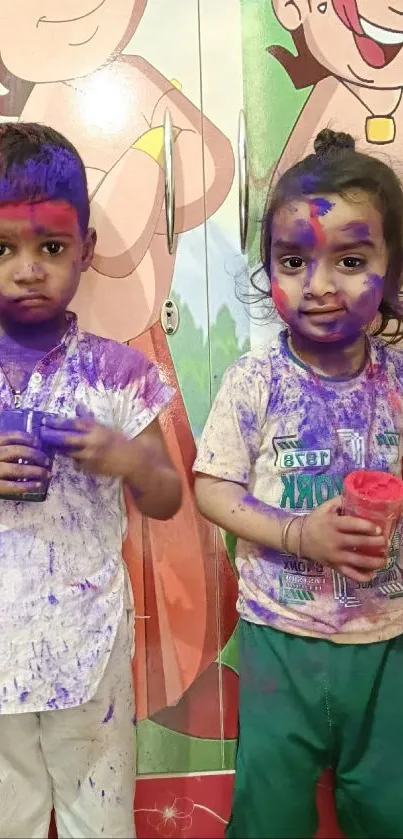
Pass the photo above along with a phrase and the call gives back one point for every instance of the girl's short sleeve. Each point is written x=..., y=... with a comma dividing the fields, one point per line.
x=232, y=437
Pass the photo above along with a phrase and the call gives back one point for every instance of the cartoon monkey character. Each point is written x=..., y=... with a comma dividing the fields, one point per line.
x=351, y=52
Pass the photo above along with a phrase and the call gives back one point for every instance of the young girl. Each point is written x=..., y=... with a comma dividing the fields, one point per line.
x=320, y=595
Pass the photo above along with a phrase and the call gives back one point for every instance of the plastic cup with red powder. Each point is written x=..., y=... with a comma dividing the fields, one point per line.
x=374, y=496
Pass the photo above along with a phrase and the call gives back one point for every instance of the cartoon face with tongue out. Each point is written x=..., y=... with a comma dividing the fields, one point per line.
x=377, y=45
x=351, y=51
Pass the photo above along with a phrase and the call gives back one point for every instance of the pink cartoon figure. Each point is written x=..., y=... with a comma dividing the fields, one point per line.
x=63, y=64
x=351, y=52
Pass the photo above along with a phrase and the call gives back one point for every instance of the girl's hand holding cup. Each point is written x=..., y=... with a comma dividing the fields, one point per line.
x=352, y=533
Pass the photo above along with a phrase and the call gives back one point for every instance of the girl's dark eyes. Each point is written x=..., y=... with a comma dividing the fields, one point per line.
x=350, y=263
x=3, y=249
x=293, y=262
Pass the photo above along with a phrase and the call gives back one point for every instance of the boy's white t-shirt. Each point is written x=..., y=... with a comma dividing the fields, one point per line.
x=290, y=436
x=62, y=578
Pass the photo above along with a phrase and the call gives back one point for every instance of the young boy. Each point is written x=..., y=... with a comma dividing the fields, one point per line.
x=67, y=735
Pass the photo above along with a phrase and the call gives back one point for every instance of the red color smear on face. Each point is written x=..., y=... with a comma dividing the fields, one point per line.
x=280, y=298
x=374, y=486
x=314, y=212
x=55, y=217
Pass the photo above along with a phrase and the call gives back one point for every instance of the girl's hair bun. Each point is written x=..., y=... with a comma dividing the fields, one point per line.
x=330, y=142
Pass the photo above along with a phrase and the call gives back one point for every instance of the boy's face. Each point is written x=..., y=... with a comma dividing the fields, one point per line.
x=328, y=265
x=42, y=256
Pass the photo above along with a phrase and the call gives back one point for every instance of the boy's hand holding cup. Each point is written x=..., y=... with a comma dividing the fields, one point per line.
x=25, y=461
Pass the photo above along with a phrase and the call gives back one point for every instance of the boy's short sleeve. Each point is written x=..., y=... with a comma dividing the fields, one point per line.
x=139, y=394
x=232, y=437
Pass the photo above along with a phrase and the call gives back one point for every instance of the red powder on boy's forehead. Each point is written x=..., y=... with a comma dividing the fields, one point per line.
x=43, y=216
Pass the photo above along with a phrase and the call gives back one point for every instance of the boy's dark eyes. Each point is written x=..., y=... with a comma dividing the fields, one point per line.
x=53, y=248
x=49, y=248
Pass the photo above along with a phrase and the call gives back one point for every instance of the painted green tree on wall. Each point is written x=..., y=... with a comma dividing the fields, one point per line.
x=191, y=355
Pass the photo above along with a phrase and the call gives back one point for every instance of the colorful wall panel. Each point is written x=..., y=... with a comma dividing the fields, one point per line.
x=106, y=74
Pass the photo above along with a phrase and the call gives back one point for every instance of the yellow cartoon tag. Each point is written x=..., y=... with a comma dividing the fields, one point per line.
x=380, y=130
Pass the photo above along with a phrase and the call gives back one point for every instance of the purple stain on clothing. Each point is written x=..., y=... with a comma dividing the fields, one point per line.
x=85, y=586
x=134, y=722
x=61, y=693
x=91, y=782
x=51, y=557
x=109, y=713
x=24, y=696
x=52, y=599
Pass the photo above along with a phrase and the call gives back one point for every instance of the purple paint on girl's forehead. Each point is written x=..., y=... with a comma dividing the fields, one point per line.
x=54, y=174
x=304, y=233
x=357, y=229
x=321, y=205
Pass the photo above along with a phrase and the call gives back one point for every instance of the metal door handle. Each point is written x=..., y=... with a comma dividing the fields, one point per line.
x=243, y=169
x=169, y=179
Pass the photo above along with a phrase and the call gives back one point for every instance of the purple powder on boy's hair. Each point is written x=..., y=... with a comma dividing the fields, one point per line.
x=39, y=164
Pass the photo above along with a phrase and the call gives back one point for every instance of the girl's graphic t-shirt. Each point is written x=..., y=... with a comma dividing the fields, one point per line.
x=291, y=436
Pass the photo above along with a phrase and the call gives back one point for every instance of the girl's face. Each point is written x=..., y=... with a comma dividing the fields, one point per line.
x=328, y=265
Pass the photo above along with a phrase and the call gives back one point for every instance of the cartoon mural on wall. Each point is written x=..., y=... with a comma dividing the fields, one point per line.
x=66, y=67
x=350, y=51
